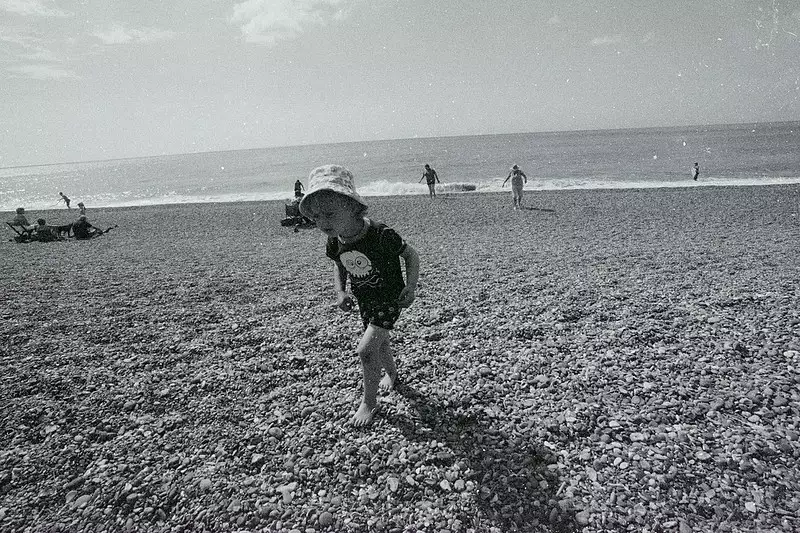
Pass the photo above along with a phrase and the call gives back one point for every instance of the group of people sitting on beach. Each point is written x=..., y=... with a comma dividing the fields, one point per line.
x=80, y=229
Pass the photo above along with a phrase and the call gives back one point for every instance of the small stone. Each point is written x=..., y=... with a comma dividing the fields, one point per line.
x=205, y=484
x=582, y=518
x=325, y=519
x=235, y=505
x=75, y=483
x=702, y=456
x=83, y=500
x=750, y=506
x=393, y=483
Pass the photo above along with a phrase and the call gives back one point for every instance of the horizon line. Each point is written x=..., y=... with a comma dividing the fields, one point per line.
x=390, y=139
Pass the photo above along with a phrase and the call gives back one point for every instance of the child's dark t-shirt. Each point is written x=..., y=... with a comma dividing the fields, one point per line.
x=372, y=263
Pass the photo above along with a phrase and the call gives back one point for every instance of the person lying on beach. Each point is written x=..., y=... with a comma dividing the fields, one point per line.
x=368, y=253
x=516, y=175
x=45, y=233
x=431, y=178
x=83, y=229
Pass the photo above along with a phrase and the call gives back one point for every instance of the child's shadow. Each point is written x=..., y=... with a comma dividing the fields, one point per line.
x=511, y=471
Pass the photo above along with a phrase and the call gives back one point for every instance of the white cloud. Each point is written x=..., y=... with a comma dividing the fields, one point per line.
x=606, y=40
x=117, y=34
x=555, y=20
x=270, y=21
x=42, y=72
x=32, y=8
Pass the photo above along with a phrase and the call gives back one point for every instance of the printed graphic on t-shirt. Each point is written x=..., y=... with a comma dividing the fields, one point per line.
x=360, y=269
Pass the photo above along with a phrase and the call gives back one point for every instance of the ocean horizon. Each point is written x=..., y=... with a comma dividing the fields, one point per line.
x=728, y=154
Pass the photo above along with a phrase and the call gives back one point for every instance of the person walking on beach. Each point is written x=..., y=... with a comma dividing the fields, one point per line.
x=298, y=189
x=516, y=176
x=367, y=253
x=695, y=171
x=65, y=199
x=431, y=178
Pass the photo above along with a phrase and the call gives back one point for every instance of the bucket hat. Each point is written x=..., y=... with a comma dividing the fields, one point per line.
x=333, y=178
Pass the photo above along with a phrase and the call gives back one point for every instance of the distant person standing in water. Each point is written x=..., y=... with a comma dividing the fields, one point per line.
x=431, y=178
x=516, y=176
x=298, y=189
x=695, y=171
x=65, y=199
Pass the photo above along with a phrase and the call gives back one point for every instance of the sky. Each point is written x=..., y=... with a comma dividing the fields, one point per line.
x=102, y=79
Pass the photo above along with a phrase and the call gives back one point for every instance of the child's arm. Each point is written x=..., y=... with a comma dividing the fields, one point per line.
x=343, y=300
x=505, y=180
x=411, y=259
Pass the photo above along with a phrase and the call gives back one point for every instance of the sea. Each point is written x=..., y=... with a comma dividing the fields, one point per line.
x=732, y=154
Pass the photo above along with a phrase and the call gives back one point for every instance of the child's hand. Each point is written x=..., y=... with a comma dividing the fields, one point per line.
x=344, y=301
x=406, y=297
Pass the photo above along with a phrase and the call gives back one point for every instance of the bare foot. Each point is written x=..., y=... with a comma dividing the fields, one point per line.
x=387, y=382
x=364, y=415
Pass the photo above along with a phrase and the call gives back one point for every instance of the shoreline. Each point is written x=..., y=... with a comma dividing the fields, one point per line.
x=528, y=191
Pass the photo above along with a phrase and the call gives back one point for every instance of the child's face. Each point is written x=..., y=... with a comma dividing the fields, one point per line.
x=335, y=216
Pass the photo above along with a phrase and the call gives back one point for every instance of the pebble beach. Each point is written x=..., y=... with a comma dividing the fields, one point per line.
x=602, y=360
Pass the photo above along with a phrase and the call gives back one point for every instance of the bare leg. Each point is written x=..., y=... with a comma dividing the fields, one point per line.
x=388, y=364
x=369, y=351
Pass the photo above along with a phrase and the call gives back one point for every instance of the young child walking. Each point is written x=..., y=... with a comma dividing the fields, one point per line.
x=367, y=253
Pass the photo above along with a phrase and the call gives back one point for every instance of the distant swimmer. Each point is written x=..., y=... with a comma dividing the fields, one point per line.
x=298, y=189
x=431, y=178
x=516, y=176
x=65, y=199
x=695, y=171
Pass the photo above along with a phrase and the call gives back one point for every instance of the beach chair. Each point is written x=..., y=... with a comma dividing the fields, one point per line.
x=24, y=233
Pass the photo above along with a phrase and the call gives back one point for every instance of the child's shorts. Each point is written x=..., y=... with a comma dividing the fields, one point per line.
x=381, y=314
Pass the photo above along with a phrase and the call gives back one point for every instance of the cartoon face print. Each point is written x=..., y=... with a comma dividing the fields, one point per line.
x=356, y=263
